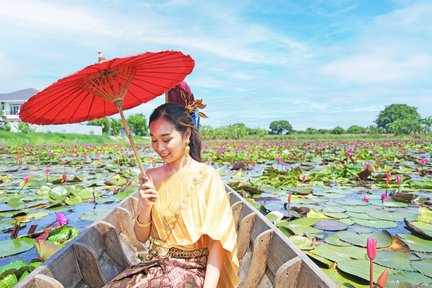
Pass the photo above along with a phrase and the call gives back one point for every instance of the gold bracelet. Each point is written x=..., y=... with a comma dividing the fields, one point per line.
x=141, y=224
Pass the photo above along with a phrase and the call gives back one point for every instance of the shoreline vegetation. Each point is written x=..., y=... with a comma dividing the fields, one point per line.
x=32, y=138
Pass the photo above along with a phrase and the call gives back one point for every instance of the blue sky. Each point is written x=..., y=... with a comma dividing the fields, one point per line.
x=317, y=63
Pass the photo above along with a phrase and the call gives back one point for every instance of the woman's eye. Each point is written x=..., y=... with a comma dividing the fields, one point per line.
x=166, y=141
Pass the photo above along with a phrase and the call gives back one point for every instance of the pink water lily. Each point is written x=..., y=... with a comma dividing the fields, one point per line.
x=303, y=178
x=423, y=161
x=371, y=253
x=349, y=154
x=26, y=179
x=382, y=279
x=398, y=179
x=289, y=200
x=64, y=177
x=368, y=164
x=384, y=197
x=61, y=219
x=365, y=199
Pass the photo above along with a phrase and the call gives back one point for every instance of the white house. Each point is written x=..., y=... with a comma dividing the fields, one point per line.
x=10, y=104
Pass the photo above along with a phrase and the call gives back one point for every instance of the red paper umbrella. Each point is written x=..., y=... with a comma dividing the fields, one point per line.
x=108, y=87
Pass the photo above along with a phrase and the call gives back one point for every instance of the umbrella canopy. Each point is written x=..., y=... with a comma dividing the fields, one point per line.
x=108, y=87
x=90, y=93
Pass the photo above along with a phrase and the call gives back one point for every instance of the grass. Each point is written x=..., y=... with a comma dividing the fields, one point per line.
x=23, y=139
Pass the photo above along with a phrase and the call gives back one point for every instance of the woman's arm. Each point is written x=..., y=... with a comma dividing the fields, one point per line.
x=214, y=263
x=147, y=196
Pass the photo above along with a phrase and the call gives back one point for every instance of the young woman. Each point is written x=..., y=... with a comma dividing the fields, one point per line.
x=183, y=207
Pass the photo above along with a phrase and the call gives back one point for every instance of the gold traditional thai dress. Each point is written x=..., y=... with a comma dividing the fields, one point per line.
x=192, y=207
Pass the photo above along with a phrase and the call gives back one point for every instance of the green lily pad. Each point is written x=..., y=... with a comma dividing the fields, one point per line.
x=334, y=209
x=411, y=278
x=302, y=242
x=330, y=225
x=94, y=215
x=383, y=238
x=327, y=263
x=357, y=215
x=424, y=266
x=359, y=268
x=15, y=246
x=394, y=260
x=336, y=215
x=384, y=215
x=415, y=243
x=339, y=253
x=425, y=215
x=13, y=265
x=8, y=281
x=347, y=221
x=334, y=240
x=361, y=229
x=382, y=224
x=343, y=281
x=274, y=216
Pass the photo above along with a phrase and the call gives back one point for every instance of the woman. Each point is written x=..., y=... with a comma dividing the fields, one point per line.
x=184, y=208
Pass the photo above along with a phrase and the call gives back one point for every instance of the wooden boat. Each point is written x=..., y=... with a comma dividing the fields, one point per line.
x=267, y=257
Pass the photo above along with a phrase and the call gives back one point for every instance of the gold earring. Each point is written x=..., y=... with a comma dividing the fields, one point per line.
x=187, y=148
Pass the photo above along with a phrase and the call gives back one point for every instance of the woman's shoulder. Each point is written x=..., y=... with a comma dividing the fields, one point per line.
x=205, y=171
x=157, y=174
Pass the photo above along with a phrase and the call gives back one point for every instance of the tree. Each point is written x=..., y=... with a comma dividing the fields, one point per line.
x=116, y=126
x=337, y=130
x=426, y=124
x=137, y=124
x=311, y=131
x=25, y=127
x=355, y=129
x=404, y=126
x=278, y=127
x=103, y=122
x=394, y=112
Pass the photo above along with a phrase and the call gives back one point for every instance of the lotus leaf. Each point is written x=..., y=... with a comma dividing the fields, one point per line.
x=334, y=209
x=424, y=266
x=384, y=215
x=330, y=225
x=302, y=191
x=13, y=265
x=302, y=222
x=395, y=260
x=423, y=225
x=29, y=217
x=352, y=203
x=334, y=240
x=425, y=215
x=58, y=193
x=412, y=278
x=8, y=281
x=341, y=280
x=383, y=238
x=15, y=246
x=357, y=215
x=376, y=223
x=302, y=242
x=415, y=243
x=339, y=253
x=313, y=214
x=62, y=234
x=86, y=193
x=336, y=215
x=46, y=249
x=95, y=214
x=274, y=216
x=359, y=268
x=285, y=231
x=347, y=221
x=15, y=202
x=360, y=229
x=357, y=209
x=73, y=200
x=327, y=263
x=44, y=190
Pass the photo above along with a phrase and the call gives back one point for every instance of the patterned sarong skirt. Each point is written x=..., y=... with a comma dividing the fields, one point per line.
x=177, y=268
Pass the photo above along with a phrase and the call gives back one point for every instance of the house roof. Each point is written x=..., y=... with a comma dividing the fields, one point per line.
x=21, y=95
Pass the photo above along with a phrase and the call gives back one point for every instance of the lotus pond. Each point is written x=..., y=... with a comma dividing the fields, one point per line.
x=340, y=194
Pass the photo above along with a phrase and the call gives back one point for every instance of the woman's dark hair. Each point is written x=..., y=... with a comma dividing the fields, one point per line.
x=178, y=116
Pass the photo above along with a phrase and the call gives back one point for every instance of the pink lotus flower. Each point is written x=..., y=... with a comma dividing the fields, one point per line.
x=382, y=279
x=349, y=154
x=365, y=199
x=378, y=160
x=303, y=178
x=47, y=171
x=278, y=159
x=398, y=179
x=289, y=200
x=61, y=219
x=383, y=197
x=368, y=164
x=423, y=161
x=25, y=179
x=64, y=177
x=371, y=252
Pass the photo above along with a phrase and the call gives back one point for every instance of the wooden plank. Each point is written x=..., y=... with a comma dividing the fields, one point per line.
x=259, y=259
x=288, y=274
x=87, y=260
x=244, y=234
x=44, y=281
x=236, y=210
x=111, y=244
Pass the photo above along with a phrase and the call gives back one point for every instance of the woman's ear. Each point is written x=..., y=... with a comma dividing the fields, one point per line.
x=188, y=133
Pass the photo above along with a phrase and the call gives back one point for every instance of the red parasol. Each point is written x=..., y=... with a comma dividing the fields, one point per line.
x=108, y=87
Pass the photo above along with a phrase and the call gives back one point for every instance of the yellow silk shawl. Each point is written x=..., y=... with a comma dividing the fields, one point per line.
x=205, y=213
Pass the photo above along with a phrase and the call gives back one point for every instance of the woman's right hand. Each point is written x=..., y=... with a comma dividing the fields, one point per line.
x=147, y=193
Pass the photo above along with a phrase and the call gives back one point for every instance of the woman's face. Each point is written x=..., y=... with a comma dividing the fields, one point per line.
x=167, y=142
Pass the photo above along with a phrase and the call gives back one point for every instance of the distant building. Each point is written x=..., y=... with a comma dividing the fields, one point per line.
x=10, y=104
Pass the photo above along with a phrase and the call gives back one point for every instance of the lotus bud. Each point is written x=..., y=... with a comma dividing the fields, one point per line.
x=382, y=279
